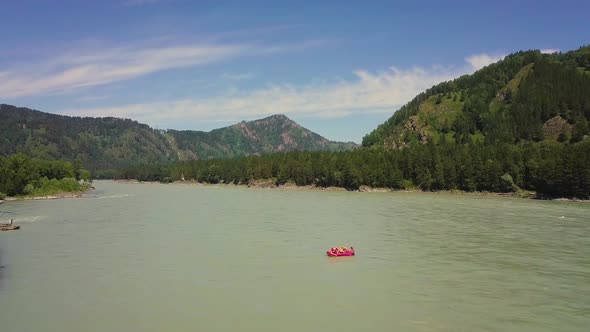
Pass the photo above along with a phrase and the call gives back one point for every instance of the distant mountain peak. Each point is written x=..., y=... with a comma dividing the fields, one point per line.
x=274, y=133
x=278, y=117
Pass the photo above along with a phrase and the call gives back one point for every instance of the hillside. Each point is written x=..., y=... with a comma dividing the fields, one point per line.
x=102, y=144
x=276, y=133
x=99, y=143
x=527, y=96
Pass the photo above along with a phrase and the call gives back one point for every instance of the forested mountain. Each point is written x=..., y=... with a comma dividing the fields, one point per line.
x=98, y=143
x=518, y=125
x=528, y=96
x=102, y=144
x=276, y=133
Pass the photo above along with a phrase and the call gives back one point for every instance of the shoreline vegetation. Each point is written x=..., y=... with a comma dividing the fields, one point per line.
x=271, y=184
x=548, y=170
x=24, y=178
x=58, y=195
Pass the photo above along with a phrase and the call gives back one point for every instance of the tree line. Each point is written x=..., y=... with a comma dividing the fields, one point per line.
x=21, y=175
x=550, y=169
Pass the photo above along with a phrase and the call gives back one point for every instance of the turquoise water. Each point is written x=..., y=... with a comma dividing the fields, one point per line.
x=149, y=257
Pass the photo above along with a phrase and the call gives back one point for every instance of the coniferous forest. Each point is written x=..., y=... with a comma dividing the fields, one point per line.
x=550, y=169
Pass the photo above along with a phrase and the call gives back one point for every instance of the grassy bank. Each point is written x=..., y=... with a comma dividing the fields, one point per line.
x=48, y=189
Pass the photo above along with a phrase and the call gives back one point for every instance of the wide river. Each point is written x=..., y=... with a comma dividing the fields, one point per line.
x=150, y=257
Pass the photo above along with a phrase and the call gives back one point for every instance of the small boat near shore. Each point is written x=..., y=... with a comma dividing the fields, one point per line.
x=8, y=225
x=340, y=252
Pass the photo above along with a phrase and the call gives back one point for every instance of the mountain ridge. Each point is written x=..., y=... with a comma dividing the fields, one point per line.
x=527, y=96
x=275, y=133
x=108, y=142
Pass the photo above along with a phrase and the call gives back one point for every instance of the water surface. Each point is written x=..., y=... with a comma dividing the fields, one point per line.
x=149, y=257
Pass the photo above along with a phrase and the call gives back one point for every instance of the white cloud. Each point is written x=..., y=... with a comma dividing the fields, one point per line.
x=70, y=71
x=478, y=61
x=550, y=50
x=368, y=92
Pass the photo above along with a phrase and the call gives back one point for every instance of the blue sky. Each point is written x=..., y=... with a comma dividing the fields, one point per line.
x=339, y=68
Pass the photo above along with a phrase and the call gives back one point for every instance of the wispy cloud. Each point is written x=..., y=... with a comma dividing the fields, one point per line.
x=82, y=69
x=478, y=61
x=368, y=92
x=550, y=50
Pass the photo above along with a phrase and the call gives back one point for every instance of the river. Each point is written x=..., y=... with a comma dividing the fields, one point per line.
x=151, y=257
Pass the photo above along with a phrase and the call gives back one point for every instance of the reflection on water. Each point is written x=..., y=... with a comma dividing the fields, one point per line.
x=146, y=257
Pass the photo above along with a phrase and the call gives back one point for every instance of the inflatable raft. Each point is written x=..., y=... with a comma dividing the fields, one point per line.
x=339, y=252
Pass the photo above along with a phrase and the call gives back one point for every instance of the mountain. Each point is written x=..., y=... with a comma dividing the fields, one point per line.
x=527, y=96
x=108, y=143
x=276, y=133
x=99, y=143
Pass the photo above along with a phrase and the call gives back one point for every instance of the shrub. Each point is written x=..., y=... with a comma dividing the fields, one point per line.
x=407, y=184
x=29, y=189
x=54, y=186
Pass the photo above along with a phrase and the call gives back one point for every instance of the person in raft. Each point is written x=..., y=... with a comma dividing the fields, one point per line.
x=334, y=250
x=343, y=249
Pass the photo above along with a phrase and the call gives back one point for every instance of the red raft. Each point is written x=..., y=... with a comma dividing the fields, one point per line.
x=342, y=251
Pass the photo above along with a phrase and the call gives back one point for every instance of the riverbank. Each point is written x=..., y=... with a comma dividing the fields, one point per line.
x=254, y=184
x=59, y=195
x=270, y=184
